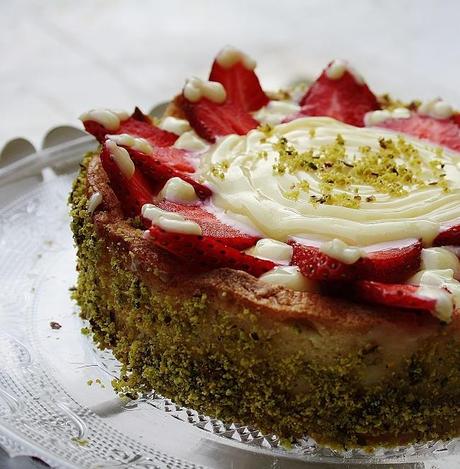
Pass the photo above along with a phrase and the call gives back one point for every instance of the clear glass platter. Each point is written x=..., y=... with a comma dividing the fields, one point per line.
x=56, y=399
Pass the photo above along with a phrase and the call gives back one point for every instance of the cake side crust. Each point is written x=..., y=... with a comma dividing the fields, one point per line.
x=276, y=359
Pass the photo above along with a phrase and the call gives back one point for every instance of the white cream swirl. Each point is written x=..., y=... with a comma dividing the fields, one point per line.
x=250, y=188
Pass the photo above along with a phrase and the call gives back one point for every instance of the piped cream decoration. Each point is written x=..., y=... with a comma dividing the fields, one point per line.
x=190, y=141
x=178, y=190
x=122, y=159
x=179, y=226
x=440, y=259
x=439, y=285
x=229, y=56
x=272, y=250
x=195, y=89
x=436, y=108
x=250, y=188
x=337, y=68
x=153, y=213
x=174, y=125
x=109, y=119
x=377, y=117
x=170, y=221
x=136, y=143
x=276, y=111
x=94, y=201
x=340, y=251
x=289, y=277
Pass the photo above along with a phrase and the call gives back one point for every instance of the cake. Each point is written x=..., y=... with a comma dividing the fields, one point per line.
x=283, y=259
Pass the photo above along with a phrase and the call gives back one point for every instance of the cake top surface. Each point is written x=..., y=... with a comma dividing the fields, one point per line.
x=320, y=185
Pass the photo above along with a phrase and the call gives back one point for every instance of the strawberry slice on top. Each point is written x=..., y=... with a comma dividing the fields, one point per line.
x=405, y=296
x=104, y=122
x=387, y=265
x=210, y=225
x=444, y=132
x=339, y=93
x=165, y=163
x=207, y=253
x=205, y=105
x=128, y=183
x=235, y=70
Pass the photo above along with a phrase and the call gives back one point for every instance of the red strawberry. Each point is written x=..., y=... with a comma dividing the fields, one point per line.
x=204, y=252
x=448, y=237
x=394, y=295
x=138, y=125
x=132, y=193
x=444, y=132
x=210, y=225
x=344, y=99
x=241, y=84
x=211, y=120
x=158, y=168
x=388, y=265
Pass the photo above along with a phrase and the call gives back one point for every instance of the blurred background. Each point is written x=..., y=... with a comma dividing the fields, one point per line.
x=62, y=57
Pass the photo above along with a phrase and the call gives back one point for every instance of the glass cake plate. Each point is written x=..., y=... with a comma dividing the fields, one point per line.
x=56, y=399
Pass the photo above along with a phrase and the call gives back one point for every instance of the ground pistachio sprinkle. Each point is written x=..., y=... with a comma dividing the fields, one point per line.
x=392, y=168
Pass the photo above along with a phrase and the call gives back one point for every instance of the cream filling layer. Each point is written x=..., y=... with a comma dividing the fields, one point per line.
x=249, y=187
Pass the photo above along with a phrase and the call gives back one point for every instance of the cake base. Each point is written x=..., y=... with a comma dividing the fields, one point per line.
x=238, y=350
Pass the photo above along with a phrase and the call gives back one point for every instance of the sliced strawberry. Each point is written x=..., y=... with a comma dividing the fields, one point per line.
x=448, y=237
x=211, y=120
x=318, y=266
x=444, y=132
x=204, y=252
x=241, y=84
x=388, y=265
x=394, y=295
x=210, y=225
x=132, y=193
x=138, y=125
x=344, y=99
x=158, y=168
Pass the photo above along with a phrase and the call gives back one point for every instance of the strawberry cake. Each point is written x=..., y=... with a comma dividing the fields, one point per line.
x=283, y=259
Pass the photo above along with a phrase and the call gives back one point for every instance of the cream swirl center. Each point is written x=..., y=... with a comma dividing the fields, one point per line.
x=244, y=174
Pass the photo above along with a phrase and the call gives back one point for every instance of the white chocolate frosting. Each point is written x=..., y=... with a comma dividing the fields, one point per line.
x=248, y=186
x=195, y=89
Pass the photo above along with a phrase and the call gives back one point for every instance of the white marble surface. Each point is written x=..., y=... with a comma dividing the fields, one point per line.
x=62, y=57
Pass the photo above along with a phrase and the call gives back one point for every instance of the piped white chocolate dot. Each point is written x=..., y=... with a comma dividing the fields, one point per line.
x=229, y=56
x=190, y=141
x=153, y=213
x=337, y=68
x=377, y=117
x=195, y=89
x=289, y=277
x=122, y=159
x=436, y=108
x=174, y=125
x=136, y=143
x=178, y=190
x=272, y=249
x=337, y=249
x=179, y=226
x=109, y=119
x=94, y=201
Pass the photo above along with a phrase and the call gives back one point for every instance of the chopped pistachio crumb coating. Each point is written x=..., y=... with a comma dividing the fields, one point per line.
x=391, y=169
x=229, y=361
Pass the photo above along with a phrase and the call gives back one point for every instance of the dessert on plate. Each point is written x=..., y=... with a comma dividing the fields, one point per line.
x=287, y=260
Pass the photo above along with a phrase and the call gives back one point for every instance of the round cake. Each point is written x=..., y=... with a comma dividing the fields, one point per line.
x=287, y=260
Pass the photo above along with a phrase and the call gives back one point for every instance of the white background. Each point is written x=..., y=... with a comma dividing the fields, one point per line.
x=62, y=57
